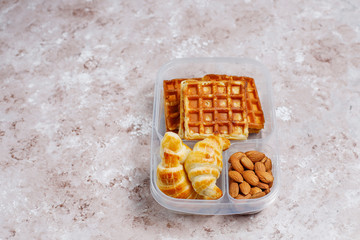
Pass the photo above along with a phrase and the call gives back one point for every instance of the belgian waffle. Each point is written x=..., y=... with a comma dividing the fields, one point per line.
x=172, y=99
x=213, y=107
x=255, y=117
x=172, y=103
x=255, y=114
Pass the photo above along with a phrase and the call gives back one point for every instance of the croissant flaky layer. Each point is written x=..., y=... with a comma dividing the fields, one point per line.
x=204, y=164
x=171, y=176
x=172, y=145
x=174, y=183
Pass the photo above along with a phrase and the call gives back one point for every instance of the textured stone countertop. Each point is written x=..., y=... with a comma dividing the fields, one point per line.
x=76, y=98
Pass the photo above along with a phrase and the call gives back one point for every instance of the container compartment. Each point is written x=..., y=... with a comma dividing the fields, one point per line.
x=253, y=205
x=221, y=181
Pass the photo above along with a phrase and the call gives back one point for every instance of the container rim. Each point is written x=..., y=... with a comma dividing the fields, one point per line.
x=224, y=205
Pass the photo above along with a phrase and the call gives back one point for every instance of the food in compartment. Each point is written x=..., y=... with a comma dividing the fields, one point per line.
x=256, y=177
x=190, y=174
x=245, y=188
x=213, y=107
x=172, y=103
x=255, y=114
x=255, y=156
x=248, y=108
x=204, y=165
x=171, y=176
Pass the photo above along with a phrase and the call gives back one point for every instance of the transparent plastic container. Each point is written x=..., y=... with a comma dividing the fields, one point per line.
x=198, y=67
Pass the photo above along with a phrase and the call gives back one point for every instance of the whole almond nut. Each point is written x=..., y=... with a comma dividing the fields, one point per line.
x=263, y=185
x=259, y=167
x=236, y=165
x=240, y=196
x=263, y=160
x=254, y=190
x=236, y=176
x=234, y=189
x=265, y=177
x=267, y=190
x=244, y=188
x=237, y=155
x=250, y=177
x=271, y=184
x=255, y=156
x=268, y=164
x=258, y=195
x=247, y=163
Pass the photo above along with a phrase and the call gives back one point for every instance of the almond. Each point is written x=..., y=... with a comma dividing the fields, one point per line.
x=250, y=177
x=267, y=190
x=262, y=185
x=236, y=176
x=235, y=163
x=268, y=164
x=237, y=155
x=234, y=189
x=263, y=160
x=255, y=156
x=240, y=196
x=260, y=167
x=244, y=188
x=258, y=195
x=265, y=177
x=254, y=190
x=247, y=163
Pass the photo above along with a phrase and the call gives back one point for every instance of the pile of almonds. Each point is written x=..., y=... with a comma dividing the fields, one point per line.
x=250, y=175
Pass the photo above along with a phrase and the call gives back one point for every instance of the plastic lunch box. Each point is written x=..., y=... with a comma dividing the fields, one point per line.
x=198, y=67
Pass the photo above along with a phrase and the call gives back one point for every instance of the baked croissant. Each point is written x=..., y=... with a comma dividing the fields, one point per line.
x=204, y=164
x=171, y=177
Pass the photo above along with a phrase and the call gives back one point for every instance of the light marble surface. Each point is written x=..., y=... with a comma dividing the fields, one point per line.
x=76, y=95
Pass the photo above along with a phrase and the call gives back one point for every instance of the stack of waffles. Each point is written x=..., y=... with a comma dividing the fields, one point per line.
x=228, y=106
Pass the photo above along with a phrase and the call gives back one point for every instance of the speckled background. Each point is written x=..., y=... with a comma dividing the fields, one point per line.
x=76, y=95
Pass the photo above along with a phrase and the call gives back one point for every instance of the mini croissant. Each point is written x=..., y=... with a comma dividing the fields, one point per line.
x=171, y=177
x=204, y=164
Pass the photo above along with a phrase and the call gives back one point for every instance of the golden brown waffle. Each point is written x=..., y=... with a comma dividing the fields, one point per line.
x=216, y=77
x=255, y=114
x=172, y=99
x=172, y=103
x=213, y=107
x=255, y=117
